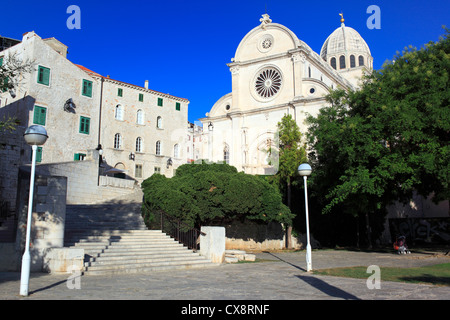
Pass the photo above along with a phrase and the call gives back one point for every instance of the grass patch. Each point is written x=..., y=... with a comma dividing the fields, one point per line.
x=438, y=274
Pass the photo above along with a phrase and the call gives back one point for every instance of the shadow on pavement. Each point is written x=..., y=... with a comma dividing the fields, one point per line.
x=326, y=288
x=289, y=263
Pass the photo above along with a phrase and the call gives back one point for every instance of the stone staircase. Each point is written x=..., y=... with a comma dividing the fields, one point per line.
x=116, y=240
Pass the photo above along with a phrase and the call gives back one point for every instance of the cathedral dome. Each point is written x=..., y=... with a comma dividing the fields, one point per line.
x=346, y=47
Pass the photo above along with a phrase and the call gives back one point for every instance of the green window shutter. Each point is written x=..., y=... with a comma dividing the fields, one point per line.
x=141, y=97
x=5, y=84
x=87, y=88
x=120, y=92
x=39, y=116
x=43, y=75
x=79, y=156
x=84, y=125
x=160, y=102
x=177, y=106
x=38, y=154
x=1, y=61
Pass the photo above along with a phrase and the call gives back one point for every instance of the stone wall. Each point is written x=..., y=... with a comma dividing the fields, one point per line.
x=48, y=217
x=12, y=145
x=83, y=184
x=252, y=236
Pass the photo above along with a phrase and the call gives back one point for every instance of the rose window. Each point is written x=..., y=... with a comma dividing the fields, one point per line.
x=268, y=83
x=266, y=44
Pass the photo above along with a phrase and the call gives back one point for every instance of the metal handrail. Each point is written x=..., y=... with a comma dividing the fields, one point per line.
x=174, y=228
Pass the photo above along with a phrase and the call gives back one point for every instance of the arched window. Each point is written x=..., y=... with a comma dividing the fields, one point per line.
x=158, y=148
x=138, y=144
x=226, y=155
x=159, y=123
x=361, y=60
x=333, y=63
x=140, y=117
x=352, y=61
x=342, y=62
x=176, y=151
x=118, y=141
x=309, y=72
x=119, y=112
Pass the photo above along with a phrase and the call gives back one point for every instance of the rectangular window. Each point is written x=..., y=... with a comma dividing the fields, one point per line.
x=120, y=92
x=87, y=88
x=84, y=125
x=141, y=97
x=158, y=170
x=178, y=106
x=40, y=113
x=138, y=171
x=160, y=102
x=79, y=156
x=43, y=75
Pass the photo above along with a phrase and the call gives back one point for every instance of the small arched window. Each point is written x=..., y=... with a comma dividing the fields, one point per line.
x=159, y=123
x=158, y=148
x=119, y=112
x=352, y=61
x=140, y=117
x=361, y=60
x=342, y=62
x=309, y=72
x=138, y=144
x=117, y=141
x=333, y=63
x=176, y=151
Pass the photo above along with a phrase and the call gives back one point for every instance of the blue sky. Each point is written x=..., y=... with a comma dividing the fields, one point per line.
x=182, y=47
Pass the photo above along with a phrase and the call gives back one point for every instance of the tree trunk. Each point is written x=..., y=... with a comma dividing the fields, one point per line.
x=289, y=228
x=369, y=232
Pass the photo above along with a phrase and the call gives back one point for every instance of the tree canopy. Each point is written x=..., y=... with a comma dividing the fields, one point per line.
x=388, y=139
x=211, y=193
x=12, y=70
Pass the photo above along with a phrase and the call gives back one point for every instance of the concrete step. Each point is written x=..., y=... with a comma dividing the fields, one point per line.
x=115, y=240
x=147, y=267
x=126, y=260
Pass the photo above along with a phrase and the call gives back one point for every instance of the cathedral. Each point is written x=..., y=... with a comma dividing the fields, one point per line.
x=273, y=74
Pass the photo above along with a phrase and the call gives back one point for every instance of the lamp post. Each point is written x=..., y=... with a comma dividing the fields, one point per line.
x=210, y=147
x=305, y=170
x=35, y=136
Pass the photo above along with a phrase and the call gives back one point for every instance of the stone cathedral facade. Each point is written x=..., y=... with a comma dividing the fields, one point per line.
x=274, y=73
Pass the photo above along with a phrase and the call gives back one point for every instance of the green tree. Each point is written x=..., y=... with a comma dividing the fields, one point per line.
x=387, y=140
x=213, y=194
x=12, y=71
x=291, y=154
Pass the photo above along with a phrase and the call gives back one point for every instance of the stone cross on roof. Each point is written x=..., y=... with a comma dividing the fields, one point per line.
x=265, y=20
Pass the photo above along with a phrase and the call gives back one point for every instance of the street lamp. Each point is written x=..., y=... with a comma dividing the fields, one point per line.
x=305, y=170
x=35, y=136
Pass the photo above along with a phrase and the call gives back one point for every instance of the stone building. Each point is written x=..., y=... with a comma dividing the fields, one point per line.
x=142, y=131
x=43, y=98
x=274, y=73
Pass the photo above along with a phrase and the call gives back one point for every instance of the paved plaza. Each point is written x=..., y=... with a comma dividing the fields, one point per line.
x=279, y=276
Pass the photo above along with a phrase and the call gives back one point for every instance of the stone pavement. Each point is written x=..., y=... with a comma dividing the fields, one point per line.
x=280, y=276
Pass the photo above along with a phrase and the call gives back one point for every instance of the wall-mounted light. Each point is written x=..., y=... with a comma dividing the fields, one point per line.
x=69, y=106
x=132, y=156
x=169, y=163
x=210, y=126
